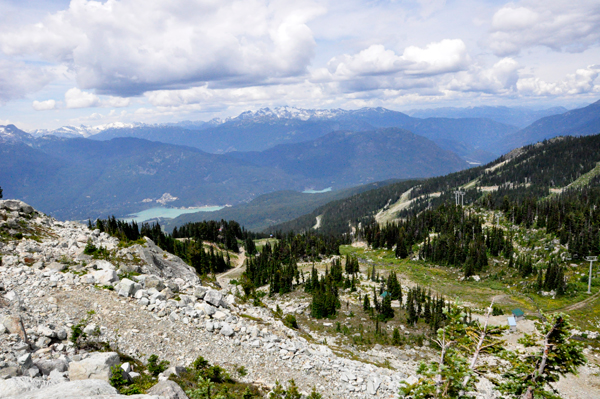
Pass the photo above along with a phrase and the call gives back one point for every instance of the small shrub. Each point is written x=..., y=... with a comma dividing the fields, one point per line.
x=116, y=377
x=242, y=371
x=155, y=367
x=314, y=394
x=290, y=321
x=200, y=363
x=216, y=374
x=497, y=311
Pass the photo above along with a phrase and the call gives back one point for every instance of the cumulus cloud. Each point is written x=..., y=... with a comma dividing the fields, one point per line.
x=571, y=26
x=501, y=78
x=44, y=105
x=76, y=98
x=436, y=58
x=127, y=47
x=582, y=81
x=18, y=79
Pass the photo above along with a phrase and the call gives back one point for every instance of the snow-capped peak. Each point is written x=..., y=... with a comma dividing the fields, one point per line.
x=284, y=112
x=81, y=130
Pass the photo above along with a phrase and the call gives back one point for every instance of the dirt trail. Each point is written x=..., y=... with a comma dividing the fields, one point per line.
x=238, y=265
x=578, y=305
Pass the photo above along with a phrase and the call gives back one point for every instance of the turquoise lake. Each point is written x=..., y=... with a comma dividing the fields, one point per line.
x=325, y=190
x=170, y=213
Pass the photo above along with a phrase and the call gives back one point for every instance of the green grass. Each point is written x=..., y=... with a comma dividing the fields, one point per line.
x=507, y=286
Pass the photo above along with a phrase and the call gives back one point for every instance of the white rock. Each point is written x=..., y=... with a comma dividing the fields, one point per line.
x=226, y=330
x=213, y=297
x=97, y=366
x=105, y=277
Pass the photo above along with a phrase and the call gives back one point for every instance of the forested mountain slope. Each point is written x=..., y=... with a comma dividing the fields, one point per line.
x=539, y=170
x=272, y=208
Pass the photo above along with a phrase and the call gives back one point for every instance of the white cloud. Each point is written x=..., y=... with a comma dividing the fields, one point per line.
x=116, y=102
x=18, y=79
x=501, y=78
x=44, y=105
x=571, y=26
x=448, y=55
x=582, y=81
x=508, y=18
x=442, y=57
x=128, y=47
x=76, y=98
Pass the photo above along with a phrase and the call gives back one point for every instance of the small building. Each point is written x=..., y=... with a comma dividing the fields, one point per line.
x=384, y=294
x=512, y=324
x=518, y=314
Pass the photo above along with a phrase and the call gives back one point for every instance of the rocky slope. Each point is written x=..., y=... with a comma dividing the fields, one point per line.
x=49, y=285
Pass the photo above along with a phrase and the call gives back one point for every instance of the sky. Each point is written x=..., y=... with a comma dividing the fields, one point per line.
x=152, y=61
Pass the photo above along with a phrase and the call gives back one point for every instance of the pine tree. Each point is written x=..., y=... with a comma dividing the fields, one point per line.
x=367, y=304
x=387, y=312
x=396, y=340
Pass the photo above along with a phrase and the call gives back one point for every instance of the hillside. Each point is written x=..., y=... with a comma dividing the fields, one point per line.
x=79, y=178
x=531, y=170
x=581, y=121
x=270, y=209
x=345, y=158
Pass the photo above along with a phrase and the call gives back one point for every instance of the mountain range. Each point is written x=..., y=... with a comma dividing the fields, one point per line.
x=81, y=178
x=284, y=149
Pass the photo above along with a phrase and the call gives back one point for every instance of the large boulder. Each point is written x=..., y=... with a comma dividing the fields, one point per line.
x=96, y=367
x=14, y=386
x=213, y=297
x=17, y=206
x=103, y=265
x=46, y=366
x=226, y=330
x=105, y=277
x=127, y=287
x=88, y=389
x=168, y=389
x=154, y=282
x=14, y=325
x=163, y=264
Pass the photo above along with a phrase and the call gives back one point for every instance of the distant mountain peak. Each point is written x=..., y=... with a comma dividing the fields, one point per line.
x=12, y=134
x=81, y=130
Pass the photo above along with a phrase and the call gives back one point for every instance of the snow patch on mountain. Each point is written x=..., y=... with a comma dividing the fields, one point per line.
x=82, y=130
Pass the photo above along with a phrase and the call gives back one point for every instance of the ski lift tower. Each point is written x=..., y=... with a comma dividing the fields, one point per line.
x=459, y=194
x=590, y=259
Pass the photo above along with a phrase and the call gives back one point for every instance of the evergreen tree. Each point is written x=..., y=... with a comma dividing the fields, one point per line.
x=387, y=312
x=366, y=303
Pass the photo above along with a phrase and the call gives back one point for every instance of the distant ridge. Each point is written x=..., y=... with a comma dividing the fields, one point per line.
x=577, y=122
x=517, y=116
